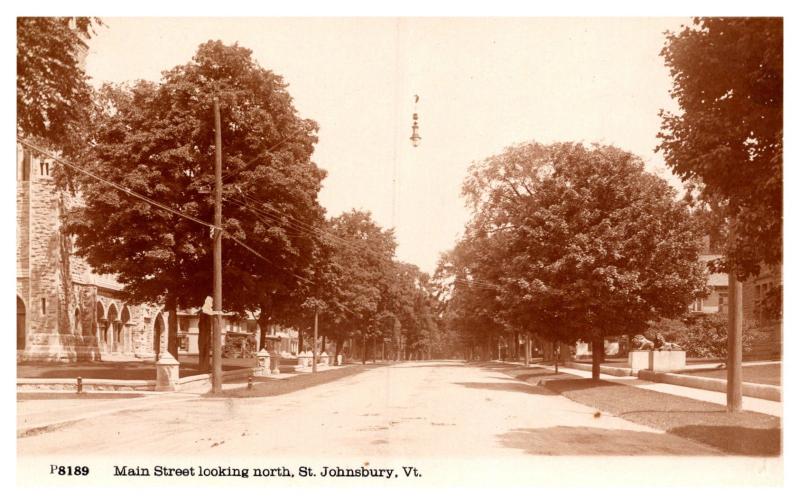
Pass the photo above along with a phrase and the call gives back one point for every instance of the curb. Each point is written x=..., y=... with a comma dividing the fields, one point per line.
x=133, y=404
x=604, y=369
x=753, y=390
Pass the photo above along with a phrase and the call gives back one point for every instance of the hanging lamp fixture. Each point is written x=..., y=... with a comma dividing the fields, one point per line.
x=415, y=137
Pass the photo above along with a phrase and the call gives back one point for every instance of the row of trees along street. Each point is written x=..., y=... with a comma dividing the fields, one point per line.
x=283, y=258
x=567, y=241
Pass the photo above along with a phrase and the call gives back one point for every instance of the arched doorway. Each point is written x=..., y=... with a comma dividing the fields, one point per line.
x=77, y=328
x=100, y=326
x=112, y=335
x=125, y=330
x=158, y=330
x=22, y=328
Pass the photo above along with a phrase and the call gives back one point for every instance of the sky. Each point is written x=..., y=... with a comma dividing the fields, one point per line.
x=484, y=84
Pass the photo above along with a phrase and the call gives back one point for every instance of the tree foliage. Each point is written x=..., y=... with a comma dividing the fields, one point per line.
x=727, y=140
x=157, y=139
x=368, y=296
x=361, y=259
x=53, y=96
x=575, y=242
x=703, y=336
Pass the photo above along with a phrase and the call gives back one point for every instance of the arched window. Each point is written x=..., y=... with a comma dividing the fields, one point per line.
x=158, y=331
x=113, y=328
x=77, y=327
x=22, y=328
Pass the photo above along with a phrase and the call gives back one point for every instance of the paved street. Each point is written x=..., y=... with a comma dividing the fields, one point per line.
x=413, y=409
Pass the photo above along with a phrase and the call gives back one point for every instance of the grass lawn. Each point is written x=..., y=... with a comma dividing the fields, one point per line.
x=264, y=386
x=623, y=362
x=744, y=433
x=760, y=374
x=134, y=370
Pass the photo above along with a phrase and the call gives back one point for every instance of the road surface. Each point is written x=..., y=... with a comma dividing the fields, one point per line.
x=407, y=410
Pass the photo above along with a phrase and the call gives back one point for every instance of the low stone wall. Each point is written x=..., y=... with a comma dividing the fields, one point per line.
x=199, y=380
x=61, y=384
x=604, y=369
x=763, y=391
x=69, y=384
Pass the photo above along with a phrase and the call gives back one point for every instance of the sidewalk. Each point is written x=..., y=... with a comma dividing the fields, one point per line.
x=38, y=415
x=41, y=415
x=752, y=404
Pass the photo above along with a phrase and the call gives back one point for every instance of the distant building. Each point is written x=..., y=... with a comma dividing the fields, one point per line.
x=65, y=311
x=716, y=301
x=244, y=331
x=754, y=292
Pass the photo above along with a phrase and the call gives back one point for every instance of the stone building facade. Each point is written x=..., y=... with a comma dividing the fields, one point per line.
x=64, y=310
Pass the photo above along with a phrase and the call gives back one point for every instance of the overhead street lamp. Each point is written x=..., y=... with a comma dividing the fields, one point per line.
x=415, y=137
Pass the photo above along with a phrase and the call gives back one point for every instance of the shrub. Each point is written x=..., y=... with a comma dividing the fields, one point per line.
x=702, y=336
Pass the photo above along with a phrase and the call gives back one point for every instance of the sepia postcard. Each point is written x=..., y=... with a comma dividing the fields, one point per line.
x=399, y=252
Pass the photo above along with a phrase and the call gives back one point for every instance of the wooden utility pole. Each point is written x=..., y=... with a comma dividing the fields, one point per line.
x=527, y=350
x=314, y=343
x=216, y=376
x=734, y=363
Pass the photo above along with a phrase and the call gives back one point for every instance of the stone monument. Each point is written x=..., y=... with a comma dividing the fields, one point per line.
x=167, y=372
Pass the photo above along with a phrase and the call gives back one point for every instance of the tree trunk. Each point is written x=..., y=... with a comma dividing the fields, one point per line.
x=548, y=350
x=555, y=355
x=324, y=344
x=204, y=342
x=527, y=350
x=299, y=341
x=364, y=359
x=597, y=353
x=339, y=343
x=564, y=353
x=171, y=307
x=734, y=344
x=263, y=325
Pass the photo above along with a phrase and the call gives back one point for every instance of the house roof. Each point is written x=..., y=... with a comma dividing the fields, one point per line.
x=717, y=279
x=714, y=278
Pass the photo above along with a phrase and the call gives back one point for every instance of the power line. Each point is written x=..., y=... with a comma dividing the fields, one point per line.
x=148, y=200
x=262, y=154
x=301, y=226
x=117, y=186
x=272, y=217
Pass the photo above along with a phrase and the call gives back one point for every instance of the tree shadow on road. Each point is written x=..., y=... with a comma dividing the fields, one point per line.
x=514, y=387
x=734, y=439
x=742, y=433
x=272, y=387
x=588, y=441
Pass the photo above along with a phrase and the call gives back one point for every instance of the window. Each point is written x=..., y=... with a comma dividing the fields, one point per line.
x=698, y=305
x=44, y=168
x=44, y=305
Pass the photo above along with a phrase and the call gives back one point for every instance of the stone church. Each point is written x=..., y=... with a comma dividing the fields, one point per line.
x=64, y=310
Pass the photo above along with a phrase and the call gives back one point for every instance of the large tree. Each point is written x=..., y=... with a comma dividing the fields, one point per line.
x=353, y=294
x=409, y=307
x=593, y=246
x=726, y=141
x=53, y=96
x=157, y=139
x=468, y=291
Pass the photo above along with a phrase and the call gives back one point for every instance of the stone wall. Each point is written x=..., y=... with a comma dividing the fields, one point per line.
x=60, y=291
